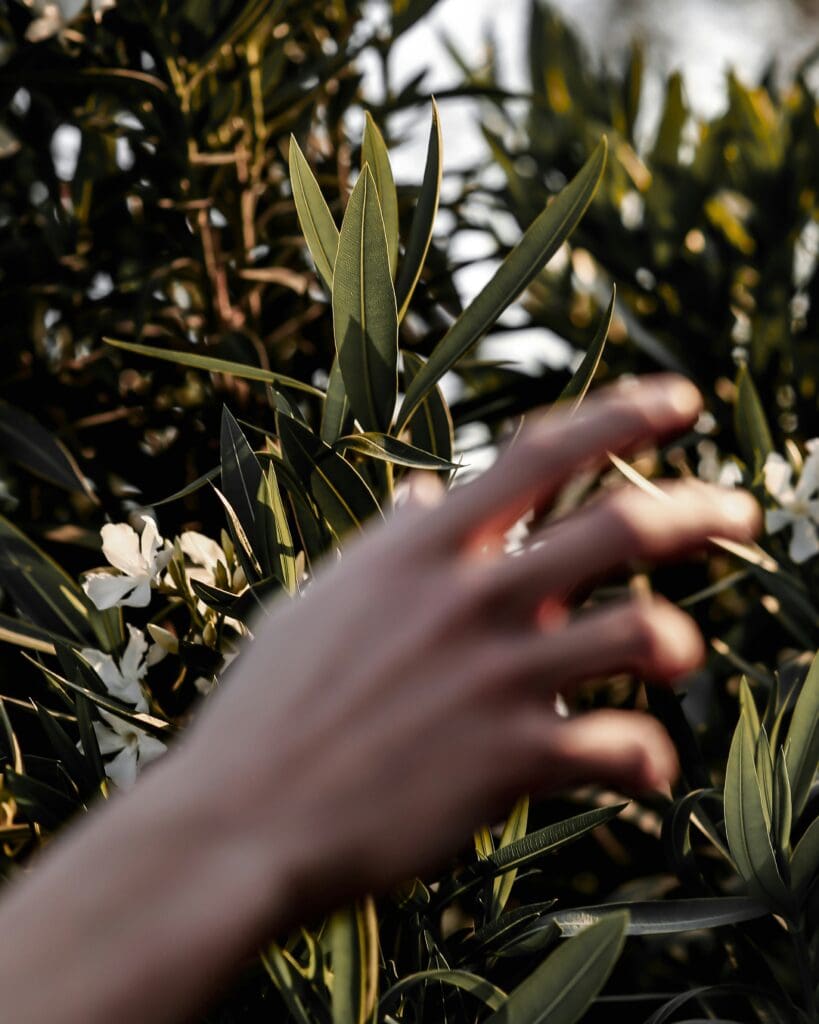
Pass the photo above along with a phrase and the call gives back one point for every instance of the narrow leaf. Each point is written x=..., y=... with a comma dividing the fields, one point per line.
x=390, y=449
x=423, y=219
x=582, y=377
x=213, y=365
x=365, y=320
x=317, y=224
x=336, y=409
x=750, y=422
x=374, y=154
x=540, y=242
x=566, y=983
x=802, y=745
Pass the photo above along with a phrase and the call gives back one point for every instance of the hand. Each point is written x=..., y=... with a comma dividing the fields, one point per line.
x=410, y=695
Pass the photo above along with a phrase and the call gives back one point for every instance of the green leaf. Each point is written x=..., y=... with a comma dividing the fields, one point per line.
x=273, y=533
x=88, y=738
x=513, y=831
x=431, y=424
x=490, y=995
x=390, y=449
x=138, y=719
x=317, y=224
x=805, y=860
x=41, y=803
x=664, y=917
x=374, y=154
x=291, y=986
x=534, y=846
x=566, y=983
x=241, y=472
x=342, y=496
x=540, y=242
x=353, y=937
x=750, y=422
x=802, y=744
x=42, y=592
x=782, y=807
x=582, y=377
x=423, y=219
x=26, y=442
x=365, y=320
x=336, y=409
x=745, y=824
x=213, y=365
x=75, y=764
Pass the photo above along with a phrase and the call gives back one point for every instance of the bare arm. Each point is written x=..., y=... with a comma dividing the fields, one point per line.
x=339, y=756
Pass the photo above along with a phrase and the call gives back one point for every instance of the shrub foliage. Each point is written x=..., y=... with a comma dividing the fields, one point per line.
x=225, y=317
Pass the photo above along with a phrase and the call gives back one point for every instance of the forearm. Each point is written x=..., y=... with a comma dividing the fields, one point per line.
x=142, y=911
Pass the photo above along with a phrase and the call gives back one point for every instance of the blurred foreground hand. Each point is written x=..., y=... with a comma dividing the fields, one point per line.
x=406, y=699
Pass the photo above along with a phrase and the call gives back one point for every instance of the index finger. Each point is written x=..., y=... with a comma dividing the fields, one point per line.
x=619, y=418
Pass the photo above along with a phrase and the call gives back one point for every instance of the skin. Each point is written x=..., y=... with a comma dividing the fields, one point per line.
x=406, y=699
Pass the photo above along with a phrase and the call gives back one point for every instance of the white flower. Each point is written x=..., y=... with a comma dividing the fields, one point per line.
x=205, y=555
x=714, y=470
x=140, y=559
x=123, y=680
x=799, y=505
x=133, y=748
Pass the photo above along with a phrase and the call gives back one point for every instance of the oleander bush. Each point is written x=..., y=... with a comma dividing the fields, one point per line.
x=226, y=332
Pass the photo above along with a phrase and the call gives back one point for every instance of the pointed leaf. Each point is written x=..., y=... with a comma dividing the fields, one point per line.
x=423, y=219
x=273, y=533
x=540, y=242
x=490, y=995
x=336, y=409
x=213, y=365
x=802, y=744
x=550, y=838
x=584, y=374
x=25, y=441
x=513, y=831
x=745, y=824
x=316, y=221
x=750, y=422
x=805, y=860
x=365, y=320
x=390, y=449
x=343, y=497
x=566, y=983
x=374, y=154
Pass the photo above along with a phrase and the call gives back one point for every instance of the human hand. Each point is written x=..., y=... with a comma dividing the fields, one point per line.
x=410, y=695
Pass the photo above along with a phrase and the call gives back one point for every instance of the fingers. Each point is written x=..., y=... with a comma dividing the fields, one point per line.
x=626, y=750
x=648, y=636
x=619, y=418
x=624, y=526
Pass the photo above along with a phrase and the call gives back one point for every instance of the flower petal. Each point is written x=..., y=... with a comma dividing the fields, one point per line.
x=120, y=545
x=108, y=591
x=150, y=749
x=109, y=741
x=777, y=473
x=777, y=519
x=201, y=550
x=123, y=769
x=809, y=480
x=804, y=541
x=132, y=663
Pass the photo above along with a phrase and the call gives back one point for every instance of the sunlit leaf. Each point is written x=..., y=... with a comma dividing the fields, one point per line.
x=317, y=224
x=423, y=219
x=374, y=154
x=390, y=449
x=540, y=242
x=365, y=320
